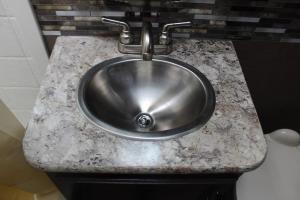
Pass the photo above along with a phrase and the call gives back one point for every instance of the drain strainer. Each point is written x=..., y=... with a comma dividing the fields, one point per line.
x=144, y=120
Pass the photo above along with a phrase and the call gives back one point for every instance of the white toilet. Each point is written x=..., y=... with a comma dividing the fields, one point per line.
x=278, y=178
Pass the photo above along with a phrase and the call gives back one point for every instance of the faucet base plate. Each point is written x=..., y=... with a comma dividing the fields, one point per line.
x=159, y=49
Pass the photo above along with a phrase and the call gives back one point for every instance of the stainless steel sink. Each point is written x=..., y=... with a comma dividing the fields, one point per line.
x=146, y=100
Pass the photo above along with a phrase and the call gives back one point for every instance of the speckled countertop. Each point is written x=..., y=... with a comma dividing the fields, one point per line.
x=60, y=139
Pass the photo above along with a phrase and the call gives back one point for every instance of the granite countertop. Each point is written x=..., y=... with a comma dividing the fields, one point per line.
x=60, y=139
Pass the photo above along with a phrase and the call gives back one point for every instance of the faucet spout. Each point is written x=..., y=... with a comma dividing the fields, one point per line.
x=147, y=41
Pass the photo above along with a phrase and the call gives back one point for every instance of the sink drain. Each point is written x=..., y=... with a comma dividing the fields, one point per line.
x=144, y=120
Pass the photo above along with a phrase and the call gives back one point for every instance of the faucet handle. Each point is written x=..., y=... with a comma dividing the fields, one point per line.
x=164, y=37
x=125, y=36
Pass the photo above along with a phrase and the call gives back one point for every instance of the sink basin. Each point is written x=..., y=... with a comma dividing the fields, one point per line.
x=146, y=100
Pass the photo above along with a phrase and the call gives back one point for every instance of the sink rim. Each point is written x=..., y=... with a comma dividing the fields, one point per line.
x=207, y=112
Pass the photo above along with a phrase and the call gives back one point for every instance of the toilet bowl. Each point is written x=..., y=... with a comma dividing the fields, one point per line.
x=286, y=137
x=278, y=178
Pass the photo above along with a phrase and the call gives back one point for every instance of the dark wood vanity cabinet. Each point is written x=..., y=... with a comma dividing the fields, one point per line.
x=78, y=186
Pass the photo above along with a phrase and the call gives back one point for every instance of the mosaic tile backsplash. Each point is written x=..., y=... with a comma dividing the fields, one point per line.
x=275, y=20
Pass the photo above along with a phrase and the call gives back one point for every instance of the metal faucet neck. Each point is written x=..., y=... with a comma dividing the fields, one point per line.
x=147, y=41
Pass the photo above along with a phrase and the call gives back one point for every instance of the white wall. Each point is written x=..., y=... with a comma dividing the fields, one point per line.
x=23, y=58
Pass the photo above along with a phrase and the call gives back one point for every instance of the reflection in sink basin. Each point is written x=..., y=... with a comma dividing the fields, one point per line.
x=151, y=100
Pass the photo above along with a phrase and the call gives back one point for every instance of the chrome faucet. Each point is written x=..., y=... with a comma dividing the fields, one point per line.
x=146, y=47
x=147, y=41
x=125, y=36
x=165, y=33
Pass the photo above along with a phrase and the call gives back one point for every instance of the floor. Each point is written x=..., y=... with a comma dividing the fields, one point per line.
x=14, y=193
